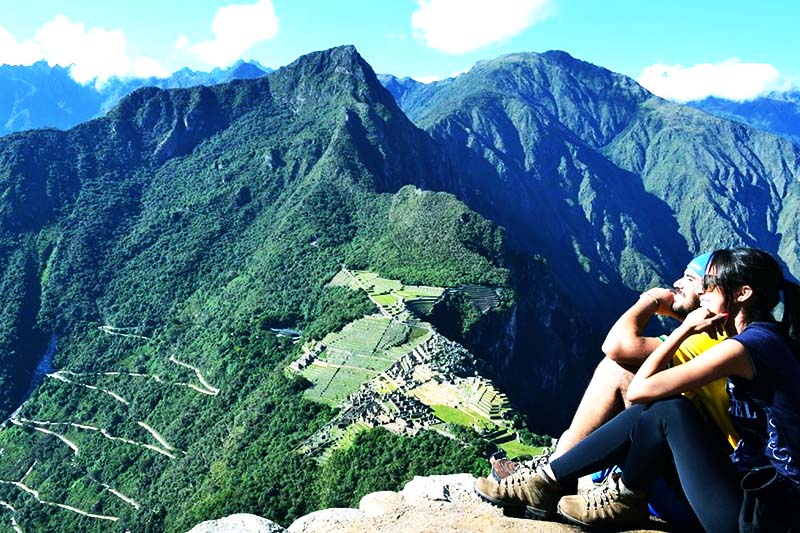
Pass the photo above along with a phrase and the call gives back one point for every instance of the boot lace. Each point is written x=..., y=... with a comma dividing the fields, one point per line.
x=603, y=494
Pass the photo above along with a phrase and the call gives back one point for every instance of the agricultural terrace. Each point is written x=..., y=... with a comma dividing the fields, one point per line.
x=342, y=438
x=474, y=403
x=392, y=296
x=365, y=348
x=358, y=353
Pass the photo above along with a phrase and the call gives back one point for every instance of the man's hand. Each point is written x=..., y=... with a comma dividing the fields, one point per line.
x=626, y=342
x=665, y=299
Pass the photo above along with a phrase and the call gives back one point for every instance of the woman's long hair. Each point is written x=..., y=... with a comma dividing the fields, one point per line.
x=750, y=266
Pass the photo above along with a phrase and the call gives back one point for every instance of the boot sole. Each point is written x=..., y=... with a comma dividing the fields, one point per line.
x=598, y=527
x=540, y=514
x=529, y=512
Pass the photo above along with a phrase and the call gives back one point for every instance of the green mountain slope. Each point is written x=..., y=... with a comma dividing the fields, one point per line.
x=526, y=131
x=613, y=187
x=726, y=183
x=586, y=166
x=160, y=244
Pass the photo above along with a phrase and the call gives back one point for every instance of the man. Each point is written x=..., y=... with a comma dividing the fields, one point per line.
x=625, y=347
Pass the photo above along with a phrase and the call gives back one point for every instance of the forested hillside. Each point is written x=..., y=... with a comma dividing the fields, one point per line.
x=159, y=245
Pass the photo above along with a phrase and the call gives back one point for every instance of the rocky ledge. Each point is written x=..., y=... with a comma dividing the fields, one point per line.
x=434, y=503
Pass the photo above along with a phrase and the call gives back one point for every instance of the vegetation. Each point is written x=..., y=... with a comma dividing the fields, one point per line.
x=454, y=416
x=379, y=460
x=161, y=244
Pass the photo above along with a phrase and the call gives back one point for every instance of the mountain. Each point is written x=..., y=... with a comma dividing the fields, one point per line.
x=551, y=146
x=233, y=282
x=40, y=96
x=777, y=112
x=164, y=249
x=615, y=188
x=400, y=87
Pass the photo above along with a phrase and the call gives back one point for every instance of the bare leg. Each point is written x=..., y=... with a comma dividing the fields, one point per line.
x=603, y=400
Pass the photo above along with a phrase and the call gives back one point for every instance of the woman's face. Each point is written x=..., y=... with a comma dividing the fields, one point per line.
x=712, y=297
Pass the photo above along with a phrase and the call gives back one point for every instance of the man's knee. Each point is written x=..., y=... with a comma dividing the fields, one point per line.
x=613, y=374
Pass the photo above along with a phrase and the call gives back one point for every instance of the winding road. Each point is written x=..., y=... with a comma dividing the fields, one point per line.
x=66, y=376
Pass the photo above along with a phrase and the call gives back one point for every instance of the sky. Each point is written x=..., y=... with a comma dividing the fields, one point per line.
x=681, y=50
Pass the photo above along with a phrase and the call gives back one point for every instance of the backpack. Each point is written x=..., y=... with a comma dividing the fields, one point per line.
x=769, y=503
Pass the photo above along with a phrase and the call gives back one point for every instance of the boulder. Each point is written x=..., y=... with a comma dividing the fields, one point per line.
x=238, y=523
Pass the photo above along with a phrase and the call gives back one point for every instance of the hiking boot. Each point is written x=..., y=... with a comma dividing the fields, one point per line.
x=502, y=467
x=525, y=489
x=607, y=504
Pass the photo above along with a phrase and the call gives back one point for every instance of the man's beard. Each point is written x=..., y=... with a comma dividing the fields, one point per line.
x=685, y=306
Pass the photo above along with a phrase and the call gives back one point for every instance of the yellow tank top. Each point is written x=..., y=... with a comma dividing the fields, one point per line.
x=711, y=399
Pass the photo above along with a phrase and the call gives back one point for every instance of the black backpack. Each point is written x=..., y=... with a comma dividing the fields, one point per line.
x=770, y=503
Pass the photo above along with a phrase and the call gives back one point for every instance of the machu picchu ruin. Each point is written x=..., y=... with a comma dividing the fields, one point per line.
x=392, y=369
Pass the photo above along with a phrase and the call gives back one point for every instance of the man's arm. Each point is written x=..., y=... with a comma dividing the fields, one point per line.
x=625, y=342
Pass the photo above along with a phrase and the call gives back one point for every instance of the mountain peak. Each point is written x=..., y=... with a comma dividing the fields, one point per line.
x=341, y=58
x=553, y=84
x=244, y=71
x=563, y=58
x=335, y=72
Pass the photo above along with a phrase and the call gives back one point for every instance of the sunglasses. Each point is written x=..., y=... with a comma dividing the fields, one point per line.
x=709, y=282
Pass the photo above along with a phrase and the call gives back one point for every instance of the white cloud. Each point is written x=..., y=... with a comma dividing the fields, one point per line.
x=182, y=42
x=431, y=79
x=732, y=79
x=237, y=27
x=93, y=54
x=14, y=53
x=144, y=67
x=460, y=26
x=427, y=79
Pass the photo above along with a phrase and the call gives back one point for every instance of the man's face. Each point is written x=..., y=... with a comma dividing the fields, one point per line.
x=687, y=293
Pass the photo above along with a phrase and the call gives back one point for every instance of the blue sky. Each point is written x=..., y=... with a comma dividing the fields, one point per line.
x=678, y=49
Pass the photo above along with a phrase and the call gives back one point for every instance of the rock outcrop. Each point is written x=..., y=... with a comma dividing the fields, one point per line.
x=436, y=503
x=238, y=523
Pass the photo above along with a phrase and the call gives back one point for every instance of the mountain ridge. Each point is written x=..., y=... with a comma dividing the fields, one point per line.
x=40, y=96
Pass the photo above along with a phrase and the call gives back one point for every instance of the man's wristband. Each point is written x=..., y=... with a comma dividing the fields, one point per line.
x=648, y=295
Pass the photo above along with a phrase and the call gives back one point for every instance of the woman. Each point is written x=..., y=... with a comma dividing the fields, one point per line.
x=664, y=433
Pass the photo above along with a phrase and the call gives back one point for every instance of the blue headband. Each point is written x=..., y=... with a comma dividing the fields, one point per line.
x=699, y=264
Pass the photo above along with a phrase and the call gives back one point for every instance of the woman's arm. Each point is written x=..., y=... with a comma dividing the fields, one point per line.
x=654, y=380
